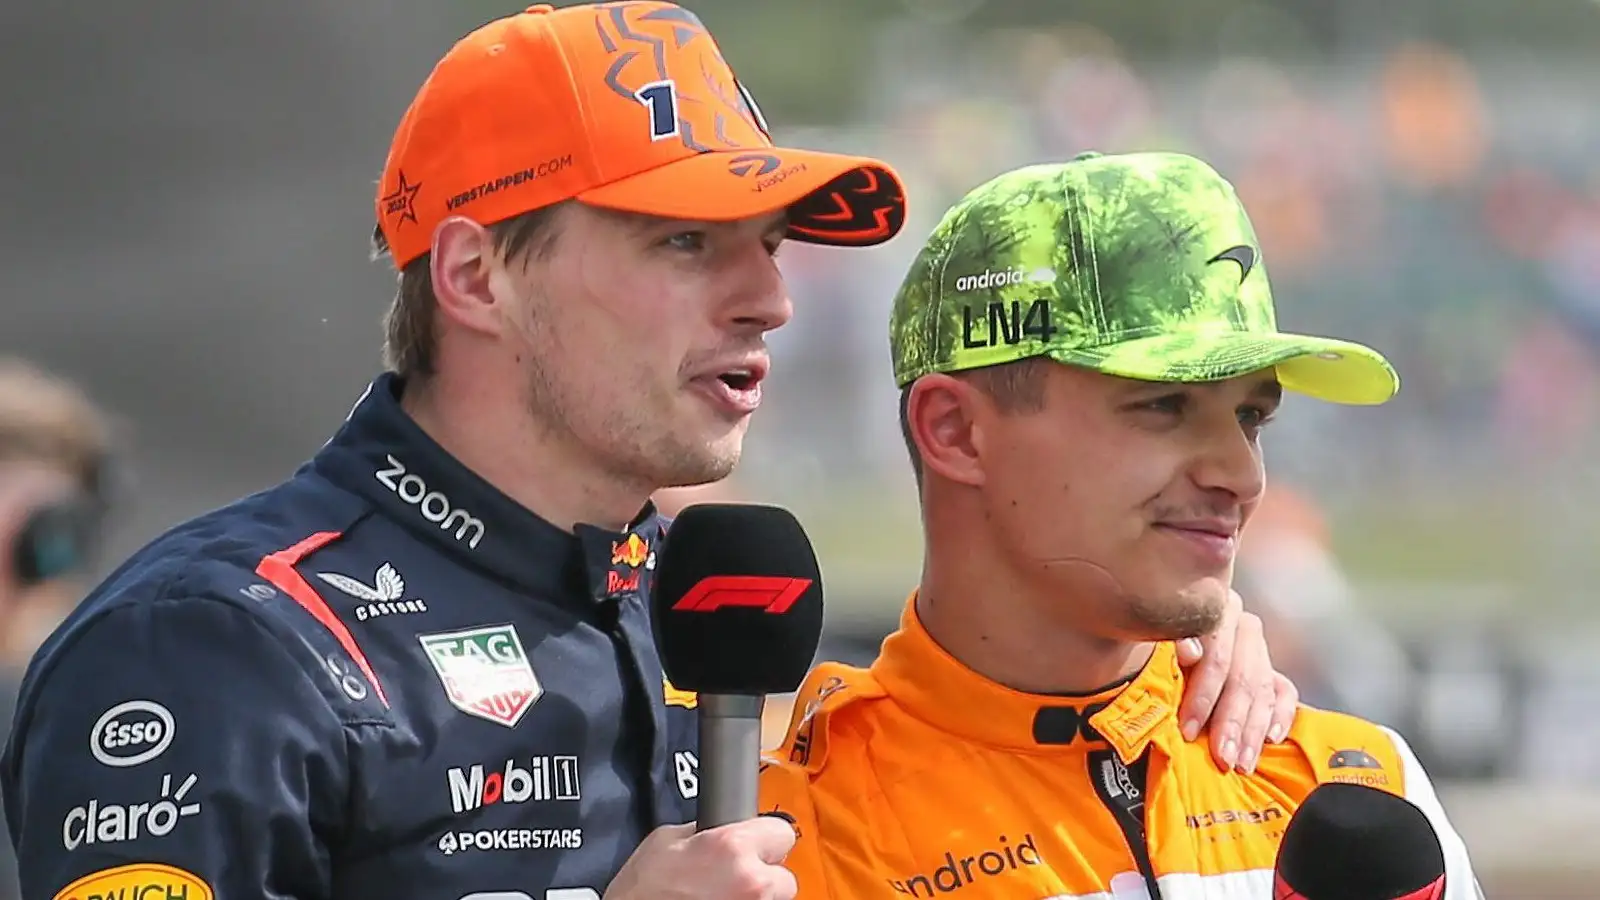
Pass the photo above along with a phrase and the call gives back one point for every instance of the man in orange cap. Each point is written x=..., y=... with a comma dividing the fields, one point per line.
x=423, y=666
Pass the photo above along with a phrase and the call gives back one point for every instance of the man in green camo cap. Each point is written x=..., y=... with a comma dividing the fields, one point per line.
x=1087, y=352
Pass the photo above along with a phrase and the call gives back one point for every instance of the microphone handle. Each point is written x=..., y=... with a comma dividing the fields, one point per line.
x=730, y=758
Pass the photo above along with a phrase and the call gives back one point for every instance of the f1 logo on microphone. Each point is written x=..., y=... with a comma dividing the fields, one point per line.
x=770, y=593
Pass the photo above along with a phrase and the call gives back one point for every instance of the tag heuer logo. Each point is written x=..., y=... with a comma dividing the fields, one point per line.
x=485, y=672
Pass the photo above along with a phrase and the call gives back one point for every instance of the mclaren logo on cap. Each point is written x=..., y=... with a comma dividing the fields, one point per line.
x=1243, y=254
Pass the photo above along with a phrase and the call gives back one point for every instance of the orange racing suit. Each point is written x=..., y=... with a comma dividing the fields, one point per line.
x=917, y=777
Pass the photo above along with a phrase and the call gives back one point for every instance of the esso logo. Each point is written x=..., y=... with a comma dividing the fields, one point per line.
x=131, y=733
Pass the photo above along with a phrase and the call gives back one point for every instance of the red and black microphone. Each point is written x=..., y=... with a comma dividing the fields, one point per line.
x=737, y=616
x=1351, y=842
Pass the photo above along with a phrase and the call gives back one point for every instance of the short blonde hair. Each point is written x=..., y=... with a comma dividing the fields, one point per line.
x=1017, y=388
x=47, y=419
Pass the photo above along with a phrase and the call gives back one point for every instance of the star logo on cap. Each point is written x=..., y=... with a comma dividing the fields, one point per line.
x=403, y=200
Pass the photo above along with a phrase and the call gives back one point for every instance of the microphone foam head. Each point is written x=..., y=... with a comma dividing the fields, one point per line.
x=1352, y=842
x=737, y=600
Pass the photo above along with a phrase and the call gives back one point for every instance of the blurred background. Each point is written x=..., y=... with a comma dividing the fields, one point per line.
x=188, y=190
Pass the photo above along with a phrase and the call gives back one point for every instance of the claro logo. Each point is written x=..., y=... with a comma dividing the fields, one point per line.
x=434, y=506
x=957, y=873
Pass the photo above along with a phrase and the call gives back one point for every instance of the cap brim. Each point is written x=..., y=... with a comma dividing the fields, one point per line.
x=851, y=201
x=1328, y=369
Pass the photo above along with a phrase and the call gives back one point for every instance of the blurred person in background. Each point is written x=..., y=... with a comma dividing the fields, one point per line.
x=54, y=452
x=1087, y=353
x=54, y=447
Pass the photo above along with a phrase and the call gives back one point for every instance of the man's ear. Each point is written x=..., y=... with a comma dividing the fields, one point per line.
x=941, y=411
x=461, y=262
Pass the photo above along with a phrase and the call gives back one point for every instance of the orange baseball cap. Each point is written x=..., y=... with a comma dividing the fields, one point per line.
x=627, y=106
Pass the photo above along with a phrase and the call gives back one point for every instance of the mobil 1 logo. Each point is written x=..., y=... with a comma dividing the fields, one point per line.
x=544, y=778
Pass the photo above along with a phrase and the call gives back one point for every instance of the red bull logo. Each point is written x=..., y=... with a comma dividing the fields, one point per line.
x=631, y=552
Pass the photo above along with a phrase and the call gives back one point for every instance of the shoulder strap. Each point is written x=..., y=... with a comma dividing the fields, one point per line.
x=829, y=688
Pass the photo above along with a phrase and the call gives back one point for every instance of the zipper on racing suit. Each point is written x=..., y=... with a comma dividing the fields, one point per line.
x=1122, y=790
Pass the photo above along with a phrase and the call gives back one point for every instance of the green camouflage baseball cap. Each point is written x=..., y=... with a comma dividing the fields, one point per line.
x=1140, y=265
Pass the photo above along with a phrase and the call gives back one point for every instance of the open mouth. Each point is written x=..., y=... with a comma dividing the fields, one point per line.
x=736, y=391
x=740, y=379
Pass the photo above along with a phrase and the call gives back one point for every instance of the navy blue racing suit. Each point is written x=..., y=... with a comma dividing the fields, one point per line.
x=379, y=679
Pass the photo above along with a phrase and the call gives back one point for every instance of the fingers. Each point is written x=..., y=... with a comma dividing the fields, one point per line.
x=1206, y=681
x=1284, y=709
x=1190, y=651
x=767, y=838
x=670, y=834
x=771, y=838
x=782, y=885
x=1253, y=736
x=1227, y=720
x=739, y=861
x=1249, y=697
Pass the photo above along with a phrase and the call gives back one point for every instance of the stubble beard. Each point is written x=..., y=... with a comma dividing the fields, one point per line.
x=1190, y=612
x=637, y=445
x=679, y=460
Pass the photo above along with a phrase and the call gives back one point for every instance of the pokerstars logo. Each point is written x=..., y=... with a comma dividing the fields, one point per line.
x=453, y=842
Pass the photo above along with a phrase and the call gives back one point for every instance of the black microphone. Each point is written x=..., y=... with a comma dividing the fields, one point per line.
x=737, y=615
x=1352, y=842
